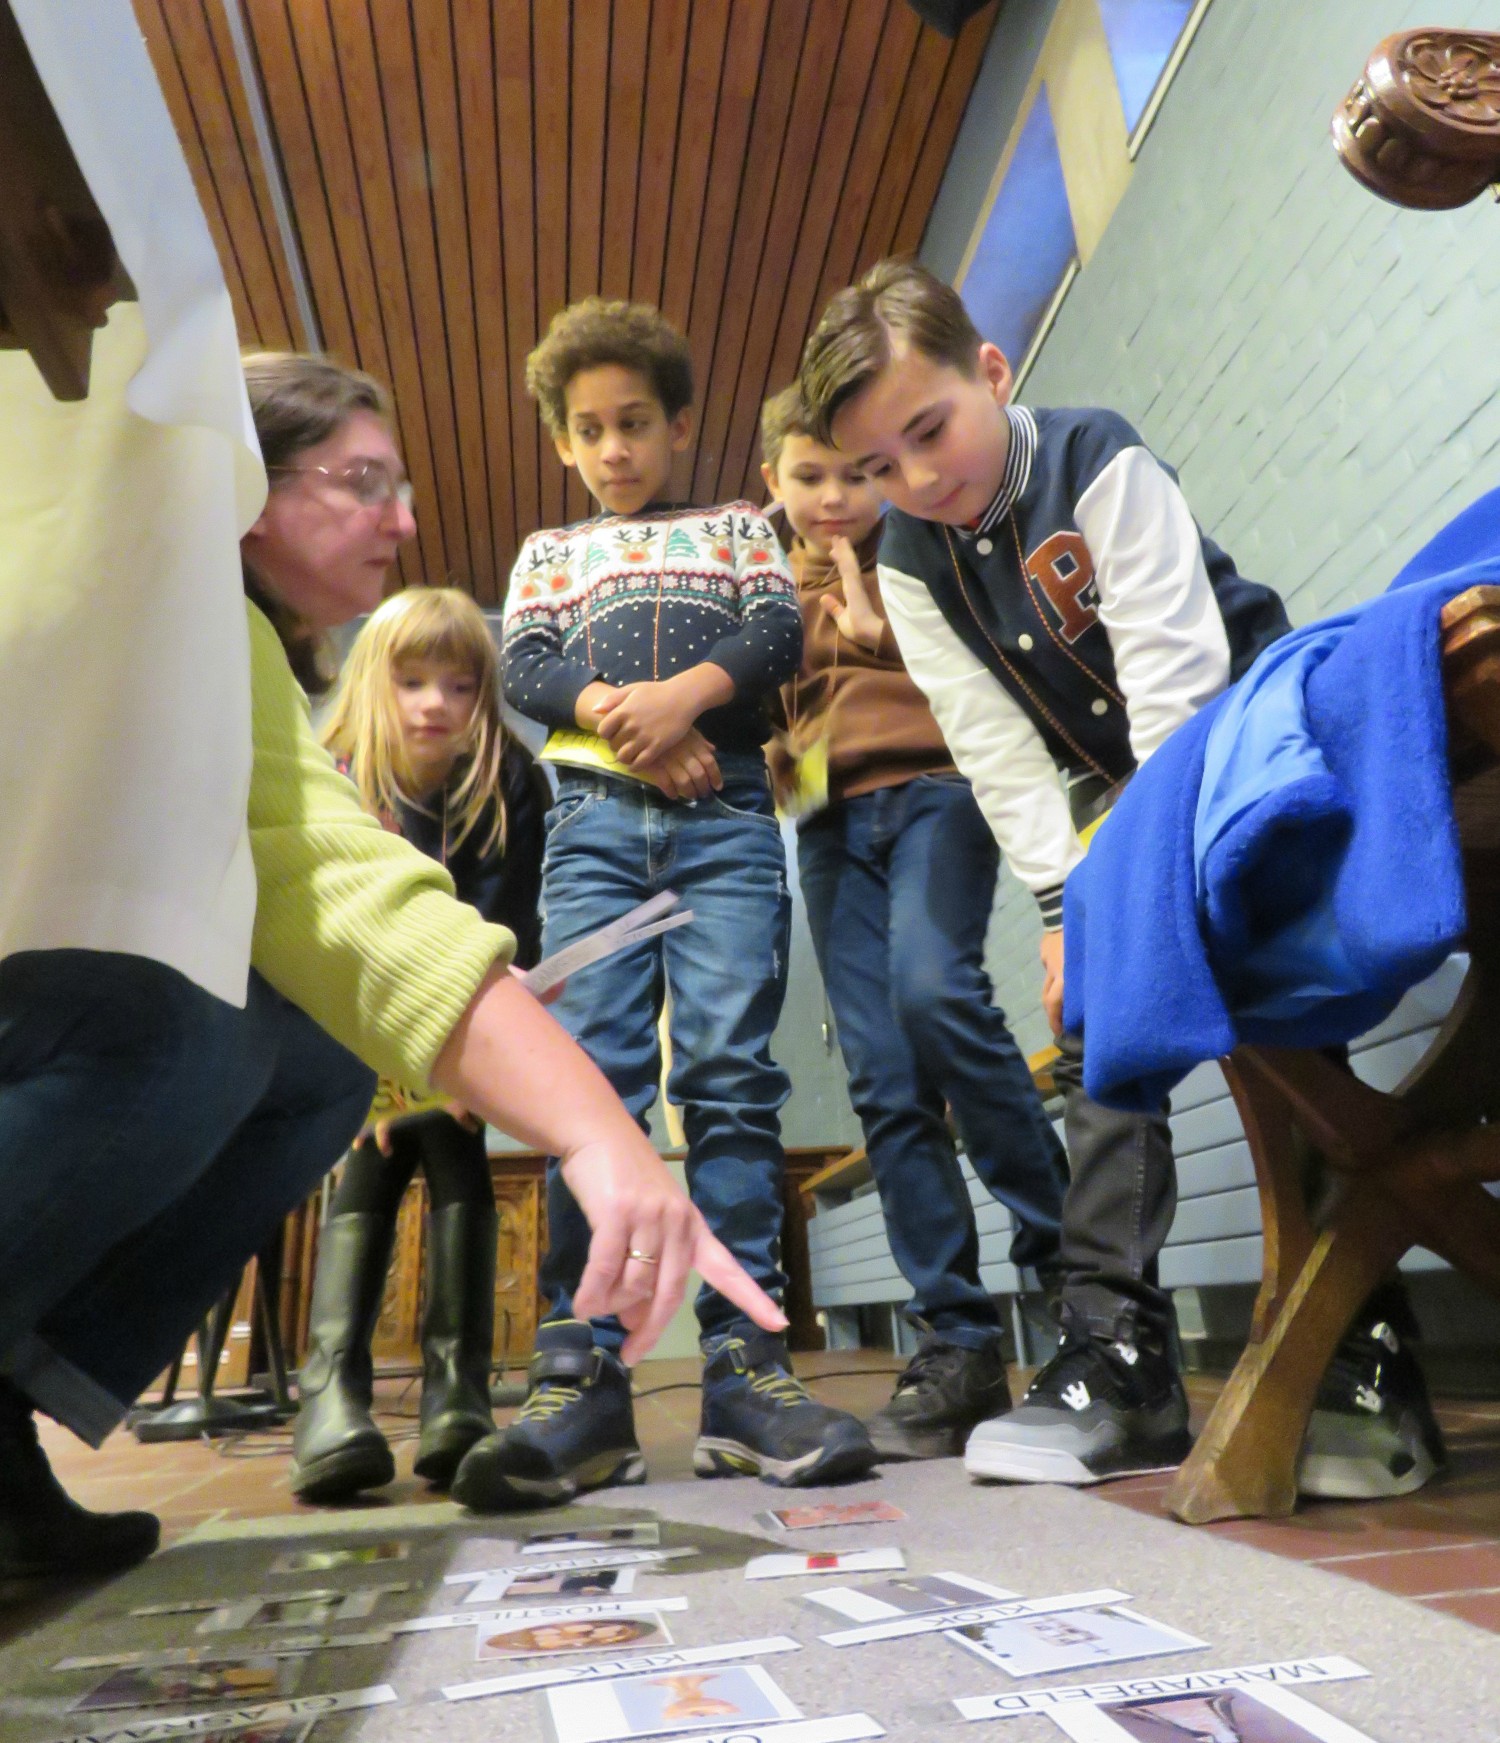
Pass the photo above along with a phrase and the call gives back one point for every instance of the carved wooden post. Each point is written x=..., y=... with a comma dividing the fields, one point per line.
x=1421, y=127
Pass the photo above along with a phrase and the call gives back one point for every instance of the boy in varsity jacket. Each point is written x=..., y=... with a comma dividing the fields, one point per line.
x=649, y=640
x=1053, y=596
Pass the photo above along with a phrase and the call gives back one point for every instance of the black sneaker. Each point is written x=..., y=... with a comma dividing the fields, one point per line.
x=1372, y=1432
x=758, y=1420
x=1096, y=1410
x=945, y=1392
x=575, y=1431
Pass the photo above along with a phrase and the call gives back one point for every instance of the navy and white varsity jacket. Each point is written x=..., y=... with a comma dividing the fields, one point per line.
x=1080, y=621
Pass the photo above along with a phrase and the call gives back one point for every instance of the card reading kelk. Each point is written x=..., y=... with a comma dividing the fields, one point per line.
x=641, y=923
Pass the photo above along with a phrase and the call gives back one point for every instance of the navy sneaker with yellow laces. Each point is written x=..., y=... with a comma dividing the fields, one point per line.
x=759, y=1420
x=576, y=1430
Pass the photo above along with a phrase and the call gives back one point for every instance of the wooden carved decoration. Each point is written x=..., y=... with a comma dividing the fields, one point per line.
x=59, y=272
x=1421, y=127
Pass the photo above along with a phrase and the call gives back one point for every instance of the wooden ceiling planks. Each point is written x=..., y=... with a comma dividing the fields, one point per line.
x=456, y=170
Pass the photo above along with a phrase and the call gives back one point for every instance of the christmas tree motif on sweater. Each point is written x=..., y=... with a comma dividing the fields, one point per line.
x=593, y=556
x=681, y=543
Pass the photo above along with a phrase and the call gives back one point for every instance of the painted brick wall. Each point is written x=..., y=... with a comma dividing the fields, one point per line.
x=1322, y=369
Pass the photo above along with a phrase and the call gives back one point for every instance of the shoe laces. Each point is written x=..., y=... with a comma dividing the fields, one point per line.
x=928, y=1366
x=772, y=1381
x=548, y=1400
x=1107, y=1370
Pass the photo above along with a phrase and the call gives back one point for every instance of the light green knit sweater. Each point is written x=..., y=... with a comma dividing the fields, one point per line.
x=352, y=924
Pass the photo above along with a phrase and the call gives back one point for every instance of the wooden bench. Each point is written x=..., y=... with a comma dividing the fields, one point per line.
x=1408, y=1166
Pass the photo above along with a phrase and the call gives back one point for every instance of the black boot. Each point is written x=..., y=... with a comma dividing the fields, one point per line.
x=42, y=1531
x=336, y=1447
x=458, y=1336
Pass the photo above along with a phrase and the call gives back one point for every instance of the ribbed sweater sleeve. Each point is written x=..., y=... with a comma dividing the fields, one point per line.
x=539, y=679
x=767, y=647
x=352, y=923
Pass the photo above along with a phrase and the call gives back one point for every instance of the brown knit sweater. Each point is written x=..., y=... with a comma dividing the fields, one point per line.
x=880, y=729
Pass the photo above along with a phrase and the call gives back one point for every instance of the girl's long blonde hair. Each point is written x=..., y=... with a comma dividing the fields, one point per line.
x=363, y=726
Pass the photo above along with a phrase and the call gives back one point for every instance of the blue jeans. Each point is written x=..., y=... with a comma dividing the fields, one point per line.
x=611, y=843
x=152, y=1137
x=899, y=885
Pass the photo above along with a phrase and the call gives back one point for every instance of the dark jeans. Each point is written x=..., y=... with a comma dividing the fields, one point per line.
x=899, y=886
x=1118, y=1212
x=152, y=1137
x=611, y=843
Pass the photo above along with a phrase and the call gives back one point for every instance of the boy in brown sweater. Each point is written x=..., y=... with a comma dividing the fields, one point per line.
x=898, y=869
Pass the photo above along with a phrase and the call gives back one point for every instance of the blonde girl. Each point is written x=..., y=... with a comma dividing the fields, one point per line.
x=415, y=722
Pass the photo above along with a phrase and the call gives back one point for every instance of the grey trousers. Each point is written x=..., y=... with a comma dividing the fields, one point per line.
x=1117, y=1213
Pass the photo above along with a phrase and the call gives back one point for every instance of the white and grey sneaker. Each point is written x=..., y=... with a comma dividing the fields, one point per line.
x=1097, y=1410
x=1372, y=1433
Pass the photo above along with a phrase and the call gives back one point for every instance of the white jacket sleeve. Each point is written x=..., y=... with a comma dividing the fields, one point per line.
x=993, y=742
x=1156, y=603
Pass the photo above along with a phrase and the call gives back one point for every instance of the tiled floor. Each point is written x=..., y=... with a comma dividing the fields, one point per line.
x=1440, y=1547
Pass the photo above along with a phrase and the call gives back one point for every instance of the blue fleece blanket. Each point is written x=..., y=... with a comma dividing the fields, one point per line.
x=1286, y=865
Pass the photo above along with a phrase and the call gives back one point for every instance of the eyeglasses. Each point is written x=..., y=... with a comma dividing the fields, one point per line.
x=371, y=483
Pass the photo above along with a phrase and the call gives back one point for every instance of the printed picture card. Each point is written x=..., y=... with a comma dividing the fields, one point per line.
x=914, y=1595
x=1268, y=1715
x=262, y=1678
x=830, y=1513
x=599, y=1582
x=495, y=1619
x=853, y=1561
x=642, y=1533
x=281, y=1646
x=289, y=1612
x=269, y=1721
x=841, y=1728
x=567, y=1564
x=999, y=1611
x=601, y=1669
x=319, y=1561
x=671, y=1701
x=1258, y=1679
x=543, y=1636
x=1071, y=1640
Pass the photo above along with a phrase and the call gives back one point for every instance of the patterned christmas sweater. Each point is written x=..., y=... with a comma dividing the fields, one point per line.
x=631, y=598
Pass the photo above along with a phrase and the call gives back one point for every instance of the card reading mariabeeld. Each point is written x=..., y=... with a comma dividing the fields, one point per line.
x=1268, y=1715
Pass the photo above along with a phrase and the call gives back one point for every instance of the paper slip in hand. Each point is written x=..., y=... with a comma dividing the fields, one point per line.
x=939, y=1620
x=646, y=921
x=534, y=1612
x=730, y=1698
x=602, y=1668
x=851, y=1561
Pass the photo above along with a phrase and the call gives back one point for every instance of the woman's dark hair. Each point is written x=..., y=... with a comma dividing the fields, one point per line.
x=298, y=401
